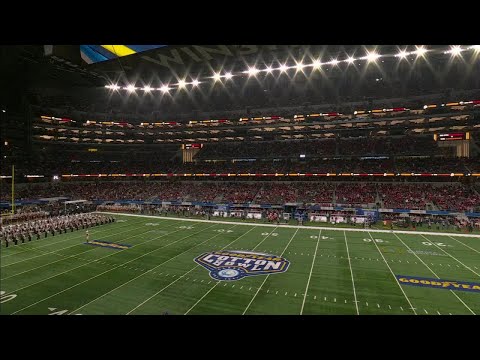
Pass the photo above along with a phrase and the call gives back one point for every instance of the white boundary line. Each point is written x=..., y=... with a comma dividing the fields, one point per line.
x=125, y=283
x=68, y=247
x=258, y=290
x=351, y=273
x=103, y=257
x=418, y=257
x=389, y=268
x=473, y=271
x=68, y=257
x=116, y=267
x=310, y=275
x=293, y=226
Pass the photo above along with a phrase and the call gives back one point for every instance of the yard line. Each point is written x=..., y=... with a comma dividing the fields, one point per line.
x=396, y=280
x=254, y=296
x=351, y=273
x=93, y=261
x=311, y=270
x=210, y=238
x=76, y=244
x=292, y=226
x=138, y=257
x=433, y=272
x=56, y=242
x=451, y=237
x=196, y=266
x=453, y=257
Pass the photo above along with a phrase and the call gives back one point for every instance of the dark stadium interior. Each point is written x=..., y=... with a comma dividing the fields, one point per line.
x=360, y=133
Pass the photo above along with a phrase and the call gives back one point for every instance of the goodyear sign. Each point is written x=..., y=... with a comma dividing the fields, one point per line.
x=439, y=283
x=235, y=265
x=107, y=244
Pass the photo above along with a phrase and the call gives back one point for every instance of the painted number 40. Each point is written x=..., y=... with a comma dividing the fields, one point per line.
x=376, y=240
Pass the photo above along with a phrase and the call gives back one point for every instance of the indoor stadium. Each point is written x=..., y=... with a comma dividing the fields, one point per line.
x=240, y=180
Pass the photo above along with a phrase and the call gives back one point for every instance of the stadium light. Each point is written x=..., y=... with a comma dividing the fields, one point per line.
x=420, y=51
x=299, y=66
x=4, y=111
x=55, y=177
x=182, y=83
x=217, y=77
x=333, y=62
x=112, y=87
x=130, y=88
x=283, y=68
x=165, y=88
x=475, y=47
x=252, y=71
x=269, y=69
x=195, y=82
x=316, y=64
x=455, y=50
x=371, y=56
x=147, y=89
x=402, y=54
x=228, y=75
x=350, y=60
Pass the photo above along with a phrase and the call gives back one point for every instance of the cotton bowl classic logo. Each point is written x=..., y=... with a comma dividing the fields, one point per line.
x=234, y=265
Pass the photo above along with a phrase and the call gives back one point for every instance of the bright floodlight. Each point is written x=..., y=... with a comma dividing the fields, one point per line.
x=216, y=77
x=147, y=89
x=130, y=88
x=299, y=66
x=283, y=68
x=165, y=88
x=475, y=47
x=402, y=54
x=316, y=64
x=182, y=83
x=252, y=71
x=228, y=75
x=456, y=50
x=350, y=60
x=269, y=69
x=420, y=50
x=333, y=62
x=195, y=82
x=372, y=56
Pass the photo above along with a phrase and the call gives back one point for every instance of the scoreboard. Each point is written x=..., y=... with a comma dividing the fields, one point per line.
x=192, y=146
x=451, y=136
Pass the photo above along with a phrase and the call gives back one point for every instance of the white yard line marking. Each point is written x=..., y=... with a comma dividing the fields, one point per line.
x=351, y=273
x=391, y=271
x=294, y=226
x=96, y=260
x=478, y=252
x=104, y=272
x=438, y=247
x=254, y=296
x=311, y=270
x=210, y=238
x=55, y=251
x=433, y=272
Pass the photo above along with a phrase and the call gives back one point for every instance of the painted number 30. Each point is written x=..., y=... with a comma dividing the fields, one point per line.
x=428, y=243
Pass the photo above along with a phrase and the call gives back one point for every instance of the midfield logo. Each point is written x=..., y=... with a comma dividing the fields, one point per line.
x=231, y=265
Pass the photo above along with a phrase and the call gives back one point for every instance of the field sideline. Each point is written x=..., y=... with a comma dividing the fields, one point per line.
x=331, y=271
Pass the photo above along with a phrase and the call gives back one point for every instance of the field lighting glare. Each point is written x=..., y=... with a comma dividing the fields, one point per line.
x=316, y=64
x=147, y=89
x=421, y=51
x=350, y=60
x=372, y=56
x=402, y=54
x=216, y=77
x=283, y=68
x=252, y=71
x=195, y=82
x=165, y=88
x=228, y=75
x=130, y=88
x=182, y=84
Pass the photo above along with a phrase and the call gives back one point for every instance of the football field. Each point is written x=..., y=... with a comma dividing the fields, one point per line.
x=152, y=270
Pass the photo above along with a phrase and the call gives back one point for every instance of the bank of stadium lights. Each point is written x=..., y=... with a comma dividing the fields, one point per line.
x=371, y=56
x=147, y=89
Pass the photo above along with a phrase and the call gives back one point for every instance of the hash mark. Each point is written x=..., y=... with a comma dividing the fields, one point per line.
x=325, y=298
x=426, y=312
x=389, y=307
x=209, y=282
x=438, y=313
x=378, y=306
x=276, y=292
x=268, y=291
x=286, y=292
x=315, y=297
x=366, y=303
x=401, y=308
x=241, y=287
x=250, y=288
x=334, y=299
x=233, y=285
x=295, y=294
x=201, y=281
x=225, y=285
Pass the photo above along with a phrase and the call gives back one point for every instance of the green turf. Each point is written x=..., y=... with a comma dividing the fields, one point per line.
x=352, y=272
